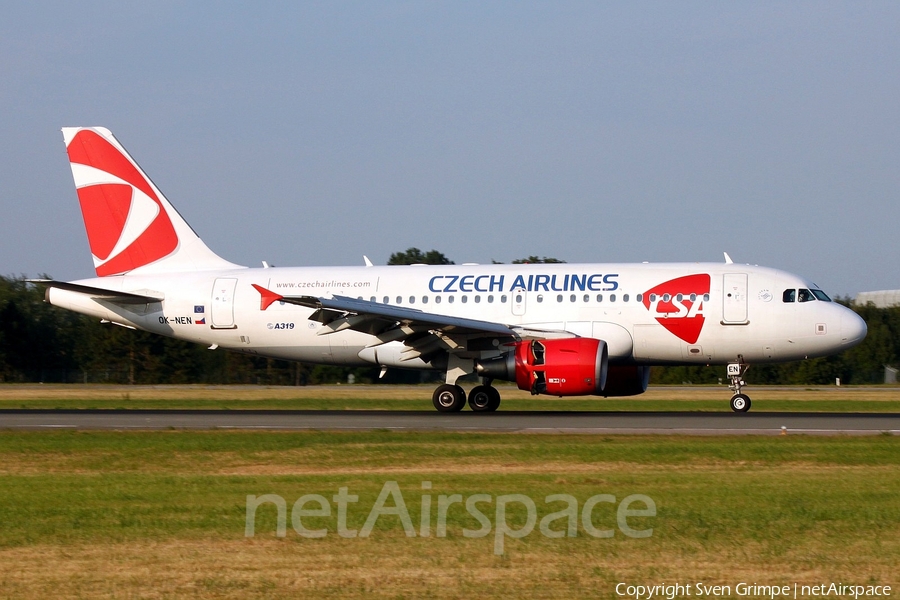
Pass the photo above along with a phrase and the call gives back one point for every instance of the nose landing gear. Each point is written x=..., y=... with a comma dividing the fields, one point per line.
x=739, y=402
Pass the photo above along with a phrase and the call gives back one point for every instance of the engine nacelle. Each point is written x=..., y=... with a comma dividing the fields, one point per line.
x=565, y=367
x=626, y=380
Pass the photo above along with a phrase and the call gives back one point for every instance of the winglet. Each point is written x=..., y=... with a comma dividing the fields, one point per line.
x=728, y=260
x=366, y=259
x=266, y=298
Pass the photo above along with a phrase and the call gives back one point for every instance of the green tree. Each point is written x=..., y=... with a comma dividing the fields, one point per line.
x=414, y=256
x=537, y=260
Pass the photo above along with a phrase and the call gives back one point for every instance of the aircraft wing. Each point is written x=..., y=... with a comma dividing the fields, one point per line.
x=423, y=332
x=341, y=312
x=342, y=305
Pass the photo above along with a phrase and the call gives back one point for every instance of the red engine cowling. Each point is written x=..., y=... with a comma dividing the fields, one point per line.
x=567, y=367
x=626, y=380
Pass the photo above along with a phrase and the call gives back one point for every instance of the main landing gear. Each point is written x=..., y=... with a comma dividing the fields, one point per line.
x=484, y=398
x=739, y=402
x=452, y=398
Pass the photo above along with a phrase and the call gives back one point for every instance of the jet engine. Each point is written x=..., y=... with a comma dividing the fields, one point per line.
x=562, y=367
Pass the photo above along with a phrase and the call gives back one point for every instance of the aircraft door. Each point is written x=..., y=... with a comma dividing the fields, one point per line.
x=734, y=299
x=222, y=304
x=519, y=297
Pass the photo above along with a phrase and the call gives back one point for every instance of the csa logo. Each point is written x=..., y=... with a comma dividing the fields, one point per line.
x=126, y=224
x=677, y=305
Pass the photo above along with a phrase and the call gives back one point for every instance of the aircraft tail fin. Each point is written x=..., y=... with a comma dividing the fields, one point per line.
x=130, y=225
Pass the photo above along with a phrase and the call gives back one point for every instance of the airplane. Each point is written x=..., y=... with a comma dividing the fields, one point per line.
x=554, y=329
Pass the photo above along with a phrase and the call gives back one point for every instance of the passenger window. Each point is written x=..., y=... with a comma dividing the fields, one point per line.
x=789, y=296
x=559, y=297
x=693, y=297
x=386, y=300
x=477, y=299
x=540, y=298
x=437, y=299
x=572, y=298
x=612, y=297
x=424, y=299
x=625, y=298
x=464, y=299
x=490, y=298
x=640, y=298
x=805, y=296
x=706, y=297
x=599, y=297
x=372, y=299
x=399, y=300
x=503, y=298
x=412, y=299
x=451, y=299
x=587, y=298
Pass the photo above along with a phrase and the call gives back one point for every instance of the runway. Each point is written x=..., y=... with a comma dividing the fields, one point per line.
x=686, y=423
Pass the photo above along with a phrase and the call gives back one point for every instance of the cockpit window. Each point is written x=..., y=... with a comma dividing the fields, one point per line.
x=821, y=295
x=804, y=295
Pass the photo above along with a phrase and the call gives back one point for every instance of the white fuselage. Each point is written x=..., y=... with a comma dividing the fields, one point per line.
x=679, y=313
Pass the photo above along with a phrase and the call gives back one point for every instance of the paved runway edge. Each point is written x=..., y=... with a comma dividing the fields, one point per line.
x=675, y=423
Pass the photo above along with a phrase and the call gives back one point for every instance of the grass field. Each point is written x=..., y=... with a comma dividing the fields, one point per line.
x=163, y=514
x=384, y=397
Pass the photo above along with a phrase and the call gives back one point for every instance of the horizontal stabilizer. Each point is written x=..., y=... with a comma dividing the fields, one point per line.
x=101, y=293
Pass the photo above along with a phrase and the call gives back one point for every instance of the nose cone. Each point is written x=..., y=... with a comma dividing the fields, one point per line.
x=853, y=328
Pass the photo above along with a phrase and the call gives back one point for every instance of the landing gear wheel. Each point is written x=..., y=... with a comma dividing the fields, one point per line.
x=449, y=398
x=740, y=403
x=484, y=398
x=495, y=399
x=479, y=398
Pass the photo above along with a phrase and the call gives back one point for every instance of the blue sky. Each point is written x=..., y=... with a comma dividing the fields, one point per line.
x=314, y=133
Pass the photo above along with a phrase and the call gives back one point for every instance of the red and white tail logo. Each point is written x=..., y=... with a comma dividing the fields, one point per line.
x=677, y=305
x=127, y=225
